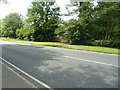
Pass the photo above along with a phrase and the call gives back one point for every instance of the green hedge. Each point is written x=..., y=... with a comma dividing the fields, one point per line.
x=106, y=43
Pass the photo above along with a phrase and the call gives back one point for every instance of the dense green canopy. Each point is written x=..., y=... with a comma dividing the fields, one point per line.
x=11, y=22
x=95, y=25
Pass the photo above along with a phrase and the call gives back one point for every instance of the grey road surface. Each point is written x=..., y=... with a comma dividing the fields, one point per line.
x=11, y=80
x=64, y=68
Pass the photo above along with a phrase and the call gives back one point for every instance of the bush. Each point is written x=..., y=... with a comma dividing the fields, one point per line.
x=106, y=43
x=25, y=33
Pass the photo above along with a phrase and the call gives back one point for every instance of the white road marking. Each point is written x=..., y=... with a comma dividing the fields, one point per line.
x=33, y=78
x=85, y=60
x=92, y=61
x=33, y=86
x=5, y=42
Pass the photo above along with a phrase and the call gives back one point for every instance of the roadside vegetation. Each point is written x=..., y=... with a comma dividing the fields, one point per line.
x=95, y=29
x=68, y=46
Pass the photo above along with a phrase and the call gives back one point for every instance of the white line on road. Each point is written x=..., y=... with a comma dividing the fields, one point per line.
x=33, y=78
x=85, y=60
x=29, y=83
x=92, y=61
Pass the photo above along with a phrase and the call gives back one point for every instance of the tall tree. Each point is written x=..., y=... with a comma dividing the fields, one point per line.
x=43, y=16
x=1, y=25
x=107, y=18
x=11, y=22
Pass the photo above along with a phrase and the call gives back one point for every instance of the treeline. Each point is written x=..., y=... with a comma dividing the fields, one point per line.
x=95, y=25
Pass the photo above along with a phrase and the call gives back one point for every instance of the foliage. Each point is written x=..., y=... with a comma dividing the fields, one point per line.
x=43, y=17
x=1, y=25
x=25, y=33
x=11, y=22
x=74, y=32
x=107, y=19
x=77, y=31
x=98, y=25
x=106, y=43
x=64, y=45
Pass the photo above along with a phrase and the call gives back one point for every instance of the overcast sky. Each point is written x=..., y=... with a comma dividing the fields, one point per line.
x=20, y=6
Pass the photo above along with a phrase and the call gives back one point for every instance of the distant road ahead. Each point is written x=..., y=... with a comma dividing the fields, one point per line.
x=64, y=68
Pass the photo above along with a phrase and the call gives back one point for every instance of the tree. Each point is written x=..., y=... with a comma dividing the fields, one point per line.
x=11, y=22
x=43, y=17
x=76, y=31
x=107, y=18
x=101, y=22
x=1, y=25
x=97, y=25
x=25, y=33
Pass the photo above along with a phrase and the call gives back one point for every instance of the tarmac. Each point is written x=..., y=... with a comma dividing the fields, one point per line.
x=11, y=79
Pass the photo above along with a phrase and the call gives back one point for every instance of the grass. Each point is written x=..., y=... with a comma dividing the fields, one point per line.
x=64, y=45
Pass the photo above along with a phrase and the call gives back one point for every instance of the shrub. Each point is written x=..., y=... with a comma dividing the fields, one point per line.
x=25, y=33
x=106, y=43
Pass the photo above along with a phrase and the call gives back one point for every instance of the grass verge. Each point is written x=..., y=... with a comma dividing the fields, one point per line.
x=64, y=45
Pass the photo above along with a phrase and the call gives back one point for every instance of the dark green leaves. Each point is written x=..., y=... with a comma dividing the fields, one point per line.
x=43, y=17
x=11, y=22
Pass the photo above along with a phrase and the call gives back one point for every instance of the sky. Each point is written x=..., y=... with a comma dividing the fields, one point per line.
x=21, y=6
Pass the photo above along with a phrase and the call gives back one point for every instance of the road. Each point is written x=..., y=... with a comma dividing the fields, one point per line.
x=64, y=68
x=10, y=79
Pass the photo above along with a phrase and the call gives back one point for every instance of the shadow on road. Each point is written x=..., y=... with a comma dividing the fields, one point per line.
x=56, y=71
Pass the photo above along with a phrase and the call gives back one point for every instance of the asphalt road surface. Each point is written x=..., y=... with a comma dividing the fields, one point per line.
x=64, y=68
x=11, y=80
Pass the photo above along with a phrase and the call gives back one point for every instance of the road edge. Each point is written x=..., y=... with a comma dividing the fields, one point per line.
x=32, y=45
x=37, y=83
